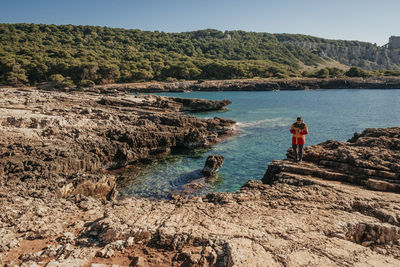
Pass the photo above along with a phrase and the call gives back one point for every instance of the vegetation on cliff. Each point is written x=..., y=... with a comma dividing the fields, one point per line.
x=352, y=53
x=83, y=55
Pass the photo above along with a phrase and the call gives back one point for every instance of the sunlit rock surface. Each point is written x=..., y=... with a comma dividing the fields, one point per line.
x=318, y=213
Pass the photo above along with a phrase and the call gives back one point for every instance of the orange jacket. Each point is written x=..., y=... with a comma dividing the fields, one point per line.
x=299, y=137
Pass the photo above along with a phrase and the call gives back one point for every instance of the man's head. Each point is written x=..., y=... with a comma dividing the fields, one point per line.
x=299, y=120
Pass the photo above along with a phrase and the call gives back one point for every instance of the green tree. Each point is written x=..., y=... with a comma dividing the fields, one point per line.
x=31, y=53
x=86, y=83
x=59, y=81
x=16, y=78
x=322, y=73
x=356, y=72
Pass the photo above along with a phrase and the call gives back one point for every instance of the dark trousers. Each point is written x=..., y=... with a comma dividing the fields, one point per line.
x=299, y=155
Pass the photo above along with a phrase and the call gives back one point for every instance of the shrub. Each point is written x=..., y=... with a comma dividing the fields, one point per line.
x=392, y=73
x=171, y=79
x=17, y=78
x=322, y=73
x=86, y=83
x=281, y=76
x=356, y=72
x=61, y=82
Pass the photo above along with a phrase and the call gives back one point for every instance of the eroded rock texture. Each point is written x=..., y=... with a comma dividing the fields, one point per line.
x=317, y=223
x=212, y=165
x=54, y=136
x=301, y=217
x=370, y=159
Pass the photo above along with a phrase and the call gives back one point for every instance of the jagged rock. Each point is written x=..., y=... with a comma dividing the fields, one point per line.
x=212, y=165
x=371, y=159
x=299, y=218
x=82, y=133
x=257, y=224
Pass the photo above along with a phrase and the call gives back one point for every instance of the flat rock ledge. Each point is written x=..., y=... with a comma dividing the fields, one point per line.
x=292, y=219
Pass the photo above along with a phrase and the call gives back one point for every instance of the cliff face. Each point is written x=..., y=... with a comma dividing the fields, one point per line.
x=366, y=56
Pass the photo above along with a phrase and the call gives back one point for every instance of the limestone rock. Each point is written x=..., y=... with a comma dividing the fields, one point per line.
x=244, y=252
x=104, y=189
x=370, y=159
x=66, y=263
x=318, y=213
x=53, y=140
x=8, y=239
x=212, y=165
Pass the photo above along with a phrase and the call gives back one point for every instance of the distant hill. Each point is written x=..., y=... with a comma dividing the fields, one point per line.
x=353, y=53
x=68, y=54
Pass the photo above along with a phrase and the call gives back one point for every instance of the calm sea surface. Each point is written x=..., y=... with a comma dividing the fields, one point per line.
x=264, y=119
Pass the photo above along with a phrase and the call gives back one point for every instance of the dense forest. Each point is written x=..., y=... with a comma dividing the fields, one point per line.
x=71, y=55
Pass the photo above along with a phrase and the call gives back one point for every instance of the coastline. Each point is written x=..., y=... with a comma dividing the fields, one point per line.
x=88, y=132
x=340, y=207
x=254, y=85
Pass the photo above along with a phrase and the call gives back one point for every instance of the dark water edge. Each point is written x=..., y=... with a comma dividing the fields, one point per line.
x=257, y=85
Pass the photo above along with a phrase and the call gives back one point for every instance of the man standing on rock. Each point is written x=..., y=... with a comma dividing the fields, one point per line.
x=299, y=130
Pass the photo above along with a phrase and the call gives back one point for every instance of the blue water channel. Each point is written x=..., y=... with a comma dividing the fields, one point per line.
x=264, y=119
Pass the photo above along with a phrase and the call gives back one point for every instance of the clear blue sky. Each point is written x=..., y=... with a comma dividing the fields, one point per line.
x=366, y=20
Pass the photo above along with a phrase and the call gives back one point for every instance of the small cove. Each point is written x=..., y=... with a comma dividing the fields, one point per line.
x=264, y=120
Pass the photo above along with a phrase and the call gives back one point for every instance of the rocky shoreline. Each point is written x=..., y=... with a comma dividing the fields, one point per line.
x=370, y=159
x=255, y=85
x=58, y=208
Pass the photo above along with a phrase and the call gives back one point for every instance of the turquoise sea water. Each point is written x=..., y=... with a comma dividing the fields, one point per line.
x=264, y=119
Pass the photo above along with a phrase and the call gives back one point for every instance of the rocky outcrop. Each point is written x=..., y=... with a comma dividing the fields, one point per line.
x=298, y=217
x=198, y=105
x=288, y=224
x=370, y=159
x=255, y=85
x=55, y=135
x=204, y=178
x=212, y=165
